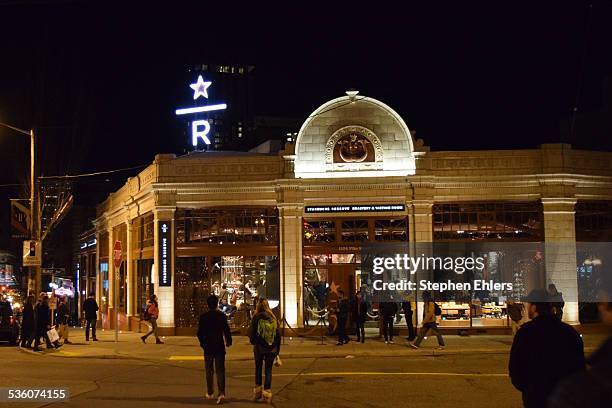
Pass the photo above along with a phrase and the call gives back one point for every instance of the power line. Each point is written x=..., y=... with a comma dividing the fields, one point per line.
x=98, y=173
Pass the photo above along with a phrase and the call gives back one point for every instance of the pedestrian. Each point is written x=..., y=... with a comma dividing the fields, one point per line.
x=544, y=351
x=342, y=316
x=515, y=312
x=212, y=330
x=224, y=298
x=556, y=300
x=265, y=336
x=28, y=323
x=63, y=315
x=388, y=311
x=430, y=311
x=360, y=313
x=593, y=387
x=407, y=308
x=90, y=310
x=153, y=313
x=43, y=324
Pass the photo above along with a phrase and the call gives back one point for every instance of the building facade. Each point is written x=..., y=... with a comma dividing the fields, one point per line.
x=291, y=226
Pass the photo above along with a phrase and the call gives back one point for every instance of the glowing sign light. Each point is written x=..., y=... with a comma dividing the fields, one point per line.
x=196, y=109
x=200, y=128
x=200, y=88
x=196, y=132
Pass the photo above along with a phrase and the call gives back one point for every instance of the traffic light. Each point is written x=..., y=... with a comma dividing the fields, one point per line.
x=33, y=248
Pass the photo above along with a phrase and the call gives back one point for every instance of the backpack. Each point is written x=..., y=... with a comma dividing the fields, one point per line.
x=437, y=310
x=266, y=329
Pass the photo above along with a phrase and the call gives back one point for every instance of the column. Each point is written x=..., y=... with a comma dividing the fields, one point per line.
x=110, y=301
x=560, y=253
x=130, y=287
x=164, y=216
x=291, y=279
x=422, y=236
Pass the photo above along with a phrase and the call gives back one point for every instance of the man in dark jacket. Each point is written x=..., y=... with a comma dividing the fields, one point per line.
x=387, y=312
x=43, y=323
x=28, y=323
x=591, y=388
x=212, y=329
x=407, y=309
x=342, y=315
x=544, y=352
x=360, y=313
x=90, y=309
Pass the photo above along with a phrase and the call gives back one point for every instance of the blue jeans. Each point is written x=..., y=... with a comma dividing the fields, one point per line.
x=260, y=358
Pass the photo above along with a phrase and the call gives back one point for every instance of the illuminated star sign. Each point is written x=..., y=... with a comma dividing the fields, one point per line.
x=200, y=88
x=164, y=228
x=200, y=128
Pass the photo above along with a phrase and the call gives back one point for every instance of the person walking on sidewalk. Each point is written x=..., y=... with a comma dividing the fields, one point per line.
x=556, y=299
x=265, y=337
x=515, y=312
x=429, y=322
x=342, y=316
x=544, y=351
x=360, y=312
x=388, y=311
x=28, y=323
x=407, y=309
x=212, y=330
x=63, y=314
x=90, y=309
x=153, y=313
x=43, y=323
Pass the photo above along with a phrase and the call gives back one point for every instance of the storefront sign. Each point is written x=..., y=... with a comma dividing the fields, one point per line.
x=354, y=208
x=200, y=128
x=165, y=253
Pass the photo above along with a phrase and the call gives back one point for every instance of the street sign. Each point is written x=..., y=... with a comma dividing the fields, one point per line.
x=117, y=252
x=32, y=253
x=20, y=218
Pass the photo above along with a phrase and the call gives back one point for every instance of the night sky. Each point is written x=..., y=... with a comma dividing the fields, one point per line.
x=100, y=84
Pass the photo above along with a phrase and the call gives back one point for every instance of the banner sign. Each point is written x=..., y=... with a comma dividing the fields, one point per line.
x=20, y=218
x=164, y=251
x=32, y=253
x=355, y=208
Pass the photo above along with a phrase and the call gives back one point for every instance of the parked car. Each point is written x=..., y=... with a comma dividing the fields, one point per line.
x=9, y=326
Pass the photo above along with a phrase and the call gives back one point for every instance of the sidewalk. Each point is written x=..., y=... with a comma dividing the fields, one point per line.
x=181, y=348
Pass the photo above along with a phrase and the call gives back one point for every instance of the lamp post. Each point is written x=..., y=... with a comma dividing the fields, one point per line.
x=34, y=221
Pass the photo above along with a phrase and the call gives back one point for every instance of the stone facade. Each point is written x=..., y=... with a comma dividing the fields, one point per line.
x=408, y=173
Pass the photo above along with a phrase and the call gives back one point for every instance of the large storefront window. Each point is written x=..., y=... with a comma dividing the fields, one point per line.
x=227, y=225
x=454, y=223
x=144, y=287
x=482, y=221
x=231, y=252
x=593, y=224
x=332, y=260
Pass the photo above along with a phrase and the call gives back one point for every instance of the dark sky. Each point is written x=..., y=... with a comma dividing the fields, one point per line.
x=100, y=83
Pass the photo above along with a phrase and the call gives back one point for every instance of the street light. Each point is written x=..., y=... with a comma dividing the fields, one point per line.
x=34, y=230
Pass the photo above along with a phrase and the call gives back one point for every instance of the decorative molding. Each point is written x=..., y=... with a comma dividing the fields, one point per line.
x=377, y=164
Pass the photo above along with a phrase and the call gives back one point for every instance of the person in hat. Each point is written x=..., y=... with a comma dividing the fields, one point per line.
x=544, y=351
x=591, y=388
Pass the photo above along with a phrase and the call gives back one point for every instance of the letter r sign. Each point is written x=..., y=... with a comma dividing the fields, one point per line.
x=199, y=129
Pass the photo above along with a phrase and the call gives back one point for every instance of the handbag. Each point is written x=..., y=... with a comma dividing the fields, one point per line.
x=277, y=361
x=53, y=336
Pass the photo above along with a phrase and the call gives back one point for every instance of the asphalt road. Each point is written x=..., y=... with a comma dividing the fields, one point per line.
x=419, y=381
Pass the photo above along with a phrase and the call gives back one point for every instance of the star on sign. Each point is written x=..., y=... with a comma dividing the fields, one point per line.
x=200, y=88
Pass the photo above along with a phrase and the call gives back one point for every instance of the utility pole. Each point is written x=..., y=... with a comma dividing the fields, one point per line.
x=35, y=271
x=34, y=219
